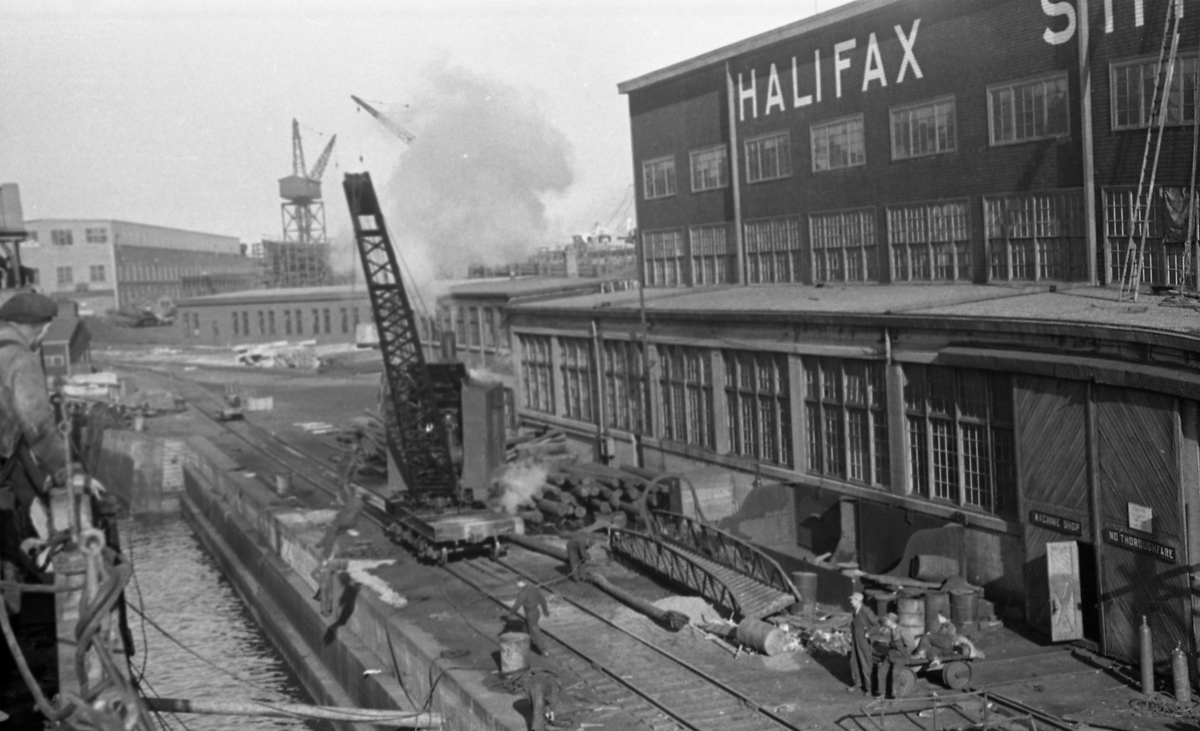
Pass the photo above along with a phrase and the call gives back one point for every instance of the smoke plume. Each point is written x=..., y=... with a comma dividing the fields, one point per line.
x=520, y=484
x=471, y=189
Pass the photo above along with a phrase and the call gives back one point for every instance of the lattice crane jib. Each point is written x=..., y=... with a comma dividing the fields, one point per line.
x=416, y=433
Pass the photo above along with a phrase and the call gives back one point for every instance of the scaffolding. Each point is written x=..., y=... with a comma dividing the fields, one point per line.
x=295, y=264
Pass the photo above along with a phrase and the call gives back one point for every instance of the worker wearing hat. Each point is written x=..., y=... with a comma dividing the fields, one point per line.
x=862, y=622
x=26, y=416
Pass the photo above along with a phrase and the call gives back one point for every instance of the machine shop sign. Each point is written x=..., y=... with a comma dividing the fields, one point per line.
x=1056, y=523
x=1137, y=543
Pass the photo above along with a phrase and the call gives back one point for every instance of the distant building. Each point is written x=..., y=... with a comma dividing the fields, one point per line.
x=105, y=264
x=323, y=314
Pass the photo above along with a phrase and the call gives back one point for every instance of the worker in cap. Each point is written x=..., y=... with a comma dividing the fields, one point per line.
x=862, y=622
x=532, y=602
x=32, y=452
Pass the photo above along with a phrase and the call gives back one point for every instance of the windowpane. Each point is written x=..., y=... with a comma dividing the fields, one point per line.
x=768, y=157
x=1029, y=110
x=838, y=144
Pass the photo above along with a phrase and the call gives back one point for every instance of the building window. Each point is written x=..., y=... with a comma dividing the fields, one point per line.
x=1033, y=236
x=473, y=326
x=537, y=373
x=299, y=323
x=658, y=177
x=96, y=235
x=1164, y=255
x=1029, y=110
x=1133, y=92
x=32, y=239
x=930, y=242
x=287, y=322
x=236, y=330
x=33, y=276
x=712, y=262
x=355, y=319
x=489, y=328
x=687, y=395
x=664, y=258
x=624, y=384
x=838, y=144
x=773, y=250
x=325, y=313
x=960, y=437
x=577, y=378
x=758, y=407
x=845, y=405
x=460, y=326
x=246, y=323
x=271, y=322
x=66, y=275
x=262, y=323
x=96, y=273
x=924, y=129
x=769, y=157
x=345, y=313
x=61, y=237
x=843, y=246
x=710, y=169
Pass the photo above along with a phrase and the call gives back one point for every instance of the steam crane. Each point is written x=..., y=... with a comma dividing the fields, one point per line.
x=303, y=210
x=386, y=121
x=425, y=406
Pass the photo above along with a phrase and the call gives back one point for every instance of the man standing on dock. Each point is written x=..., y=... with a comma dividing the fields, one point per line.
x=532, y=602
x=862, y=664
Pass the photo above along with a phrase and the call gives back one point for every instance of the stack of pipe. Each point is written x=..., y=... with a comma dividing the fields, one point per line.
x=548, y=448
x=585, y=493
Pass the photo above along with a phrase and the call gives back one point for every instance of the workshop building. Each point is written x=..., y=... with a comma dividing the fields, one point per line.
x=841, y=165
x=324, y=314
x=105, y=264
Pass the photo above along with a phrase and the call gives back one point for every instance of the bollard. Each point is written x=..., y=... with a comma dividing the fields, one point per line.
x=1179, y=674
x=283, y=483
x=1147, y=658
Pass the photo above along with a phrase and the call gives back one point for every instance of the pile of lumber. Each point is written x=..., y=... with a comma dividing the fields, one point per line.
x=586, y=493
x=548, y=448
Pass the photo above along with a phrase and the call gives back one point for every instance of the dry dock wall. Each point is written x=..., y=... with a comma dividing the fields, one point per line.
x=265, y=548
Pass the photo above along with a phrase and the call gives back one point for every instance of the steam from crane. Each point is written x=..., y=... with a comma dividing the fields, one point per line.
x=472, y=188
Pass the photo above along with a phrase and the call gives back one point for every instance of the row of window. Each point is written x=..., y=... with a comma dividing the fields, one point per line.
x=1029, y=236
x=65, y=276
x=292, y=321
x=479, y=327
x=1017, y=112
x=958, y=439
x=66, y=237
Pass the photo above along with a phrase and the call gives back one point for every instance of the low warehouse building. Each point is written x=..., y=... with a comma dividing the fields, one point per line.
x=324, y=314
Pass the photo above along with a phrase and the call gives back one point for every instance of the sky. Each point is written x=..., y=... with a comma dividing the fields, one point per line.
x=179, y=113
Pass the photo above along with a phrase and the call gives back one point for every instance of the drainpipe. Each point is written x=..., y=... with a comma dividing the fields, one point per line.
x=601, y=429
x=1089, y=162
x=739, y=245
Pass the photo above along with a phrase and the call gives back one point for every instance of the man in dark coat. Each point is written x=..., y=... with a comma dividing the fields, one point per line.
x=533, y=603
x=862, y=621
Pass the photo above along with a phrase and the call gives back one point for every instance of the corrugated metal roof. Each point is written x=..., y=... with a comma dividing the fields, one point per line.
x=61, y=329
x=1048, y=304
x=753, y=43
x=523, y=286
x=264, y=296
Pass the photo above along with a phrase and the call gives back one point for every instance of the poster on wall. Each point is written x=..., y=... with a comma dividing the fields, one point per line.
x=1141, y=518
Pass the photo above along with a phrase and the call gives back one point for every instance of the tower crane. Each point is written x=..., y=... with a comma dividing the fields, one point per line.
x=386, y=121
x=302, y=210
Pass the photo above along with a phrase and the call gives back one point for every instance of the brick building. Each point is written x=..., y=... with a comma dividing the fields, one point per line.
x=324, y=314
x=876, y=243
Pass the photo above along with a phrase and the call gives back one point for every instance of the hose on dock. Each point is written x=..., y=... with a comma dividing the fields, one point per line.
x=297, y=710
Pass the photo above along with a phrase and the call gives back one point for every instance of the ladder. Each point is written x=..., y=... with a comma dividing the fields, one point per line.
x=1131, y=267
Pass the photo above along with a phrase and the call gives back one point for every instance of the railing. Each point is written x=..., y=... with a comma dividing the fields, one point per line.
x=720, y=547
x=675, y=565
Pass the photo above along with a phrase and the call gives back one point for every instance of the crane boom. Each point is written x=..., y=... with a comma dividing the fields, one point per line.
x=416, y=433
x=319, y=169
x=386, y=121
x=298, y=167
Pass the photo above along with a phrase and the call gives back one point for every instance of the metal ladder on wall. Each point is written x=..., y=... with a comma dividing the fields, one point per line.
x=1131, y=267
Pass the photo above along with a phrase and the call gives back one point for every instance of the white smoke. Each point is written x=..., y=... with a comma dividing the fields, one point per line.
x=471, y=189
x=520, y=484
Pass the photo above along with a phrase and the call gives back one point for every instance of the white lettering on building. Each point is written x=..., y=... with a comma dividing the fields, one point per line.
x=875, y=71
x=1060, y=8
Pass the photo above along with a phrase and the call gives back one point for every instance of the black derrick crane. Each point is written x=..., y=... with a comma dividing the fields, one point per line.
x=416, y=428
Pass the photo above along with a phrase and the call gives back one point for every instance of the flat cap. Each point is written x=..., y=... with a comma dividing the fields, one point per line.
x=29, y=308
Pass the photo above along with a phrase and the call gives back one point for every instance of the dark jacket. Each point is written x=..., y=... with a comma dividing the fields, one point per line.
x=23, y=394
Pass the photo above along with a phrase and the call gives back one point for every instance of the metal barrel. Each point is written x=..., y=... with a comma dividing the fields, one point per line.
x=514, y=653
x=806, y=584
x=962, y=606
x=911, y=610
x=936, y=602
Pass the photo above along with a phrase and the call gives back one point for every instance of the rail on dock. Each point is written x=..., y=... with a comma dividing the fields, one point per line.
x=727, y=571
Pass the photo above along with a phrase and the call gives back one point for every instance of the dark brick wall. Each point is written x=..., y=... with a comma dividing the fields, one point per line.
x=962, y=47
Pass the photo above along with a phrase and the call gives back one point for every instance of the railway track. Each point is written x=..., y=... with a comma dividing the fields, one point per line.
x=628, y=673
